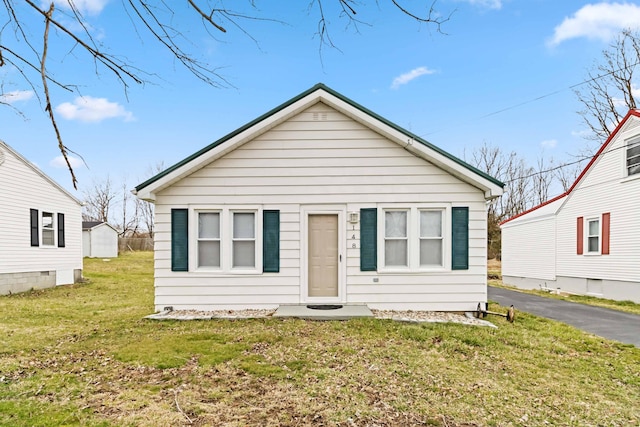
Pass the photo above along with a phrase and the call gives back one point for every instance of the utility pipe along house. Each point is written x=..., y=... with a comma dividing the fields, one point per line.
x=40, y=225
x=586, y=240
x=320, y=201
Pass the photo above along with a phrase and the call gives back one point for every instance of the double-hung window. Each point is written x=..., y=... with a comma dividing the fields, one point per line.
x=209, y=242
x=414, y=238
x=48, y=229
x=396, y=242
x=431, y=238
x=633, y=157
x=227, y=240
x=593, y=235
x=244, y=240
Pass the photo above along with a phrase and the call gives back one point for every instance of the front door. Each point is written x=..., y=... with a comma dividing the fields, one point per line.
x=323, y=255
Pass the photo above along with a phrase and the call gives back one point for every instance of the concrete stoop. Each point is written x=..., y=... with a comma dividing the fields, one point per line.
x=323, y=311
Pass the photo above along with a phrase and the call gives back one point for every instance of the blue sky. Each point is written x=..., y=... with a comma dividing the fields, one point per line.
x=485, y=80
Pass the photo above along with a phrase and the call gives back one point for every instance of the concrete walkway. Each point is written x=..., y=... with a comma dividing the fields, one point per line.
x=603, y=322
x=345, y=312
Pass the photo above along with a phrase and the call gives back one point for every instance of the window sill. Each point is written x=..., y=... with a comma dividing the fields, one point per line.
x=629, y=178
x=414, y=271
x=225, y=273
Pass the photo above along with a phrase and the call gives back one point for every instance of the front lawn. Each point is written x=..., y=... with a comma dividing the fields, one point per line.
x=84, y=355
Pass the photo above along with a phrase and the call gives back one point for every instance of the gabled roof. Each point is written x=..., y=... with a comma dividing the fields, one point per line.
x=321, y=93
x=38, y=171
x=88, y=225
x=593, y=160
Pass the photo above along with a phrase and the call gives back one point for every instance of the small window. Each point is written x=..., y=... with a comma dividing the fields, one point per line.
x=593, y=235
x=633, y=157
x=209, y=239
x=48, y=230
x=244, y=240
x=430, y=238
x=396, y=248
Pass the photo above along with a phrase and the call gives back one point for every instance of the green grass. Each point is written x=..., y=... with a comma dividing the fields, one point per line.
x=84, y=355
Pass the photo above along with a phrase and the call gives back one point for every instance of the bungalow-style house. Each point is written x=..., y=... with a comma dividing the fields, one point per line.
x=320, y=201
x=586, y=240
x=41, y=245
x=99, y=240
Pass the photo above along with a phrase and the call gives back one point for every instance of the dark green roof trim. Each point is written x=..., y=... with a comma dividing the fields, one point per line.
x=296, y=99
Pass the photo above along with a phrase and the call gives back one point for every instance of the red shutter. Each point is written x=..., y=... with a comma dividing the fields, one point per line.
x=580, y=237
x=606, y=223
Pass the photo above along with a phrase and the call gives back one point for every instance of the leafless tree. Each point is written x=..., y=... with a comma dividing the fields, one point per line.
x=25, y=48
x=129, y=211
x=98, y=201
x=146, y=210
x=608, y=92
x=525, y=186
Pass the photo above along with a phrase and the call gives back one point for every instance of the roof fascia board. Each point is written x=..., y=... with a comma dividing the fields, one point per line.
x=414, y=144
x=39, y=172
x=228, y=143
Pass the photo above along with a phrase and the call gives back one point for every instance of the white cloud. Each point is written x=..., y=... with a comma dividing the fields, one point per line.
x=488, y=4
x=91, y=7
x=549, y=143
x=600, y=21
x=90, y=109
x=15, y=96
x=59, y=162
x=407, y=77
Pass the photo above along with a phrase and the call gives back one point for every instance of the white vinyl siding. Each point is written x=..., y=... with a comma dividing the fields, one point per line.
x=23, y=189
x=315, y=161
x=529, y=249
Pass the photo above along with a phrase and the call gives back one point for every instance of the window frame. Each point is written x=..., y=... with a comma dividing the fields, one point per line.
x=630, y=144
x=234, y=239
x=208, y=239
x=588, y=235
x=431, y=238
x=51, y=229
x=406, y=238
x=414, y=238
x=226, y=239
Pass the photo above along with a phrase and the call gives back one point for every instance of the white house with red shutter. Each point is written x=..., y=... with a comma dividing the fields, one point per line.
x=320, y=201
x=587, y=240
x=40, y=225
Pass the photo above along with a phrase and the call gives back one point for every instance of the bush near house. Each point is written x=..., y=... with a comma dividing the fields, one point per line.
x=84, y=355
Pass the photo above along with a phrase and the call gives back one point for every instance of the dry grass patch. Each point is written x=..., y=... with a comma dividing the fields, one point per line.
x=93, y=360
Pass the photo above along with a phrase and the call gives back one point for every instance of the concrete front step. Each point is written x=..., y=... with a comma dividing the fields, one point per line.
x=303, y=311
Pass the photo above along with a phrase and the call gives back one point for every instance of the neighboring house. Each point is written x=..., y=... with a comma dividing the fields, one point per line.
x=41, y=245
x=320, y=201
x=99, y=240
x=587, y=240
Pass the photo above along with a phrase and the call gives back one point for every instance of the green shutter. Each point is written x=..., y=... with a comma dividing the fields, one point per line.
x=368, y=239
x=179, y=240
x=460, y=238
x=61, y=230
x=271, y=241
x=35, y=241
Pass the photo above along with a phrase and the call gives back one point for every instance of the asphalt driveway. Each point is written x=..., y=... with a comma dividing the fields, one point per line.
x=606, y=323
